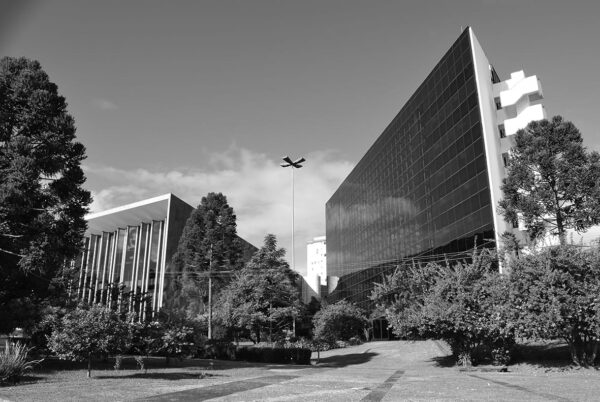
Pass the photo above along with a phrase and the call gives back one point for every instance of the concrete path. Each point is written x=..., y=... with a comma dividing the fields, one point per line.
x=394, y=371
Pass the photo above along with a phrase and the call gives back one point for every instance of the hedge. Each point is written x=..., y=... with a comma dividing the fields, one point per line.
x=274, y=355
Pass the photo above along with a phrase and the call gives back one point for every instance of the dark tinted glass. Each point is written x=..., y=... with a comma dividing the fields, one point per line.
x=421, y=191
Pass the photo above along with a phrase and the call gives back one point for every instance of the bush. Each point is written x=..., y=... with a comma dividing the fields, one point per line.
x=180, y=336
x=466, y=305
x=214, y=349
x=89, y=331
x=355, y=340
x=274, y=355
x=14, y=363
x=339, y=322
x=554, y=294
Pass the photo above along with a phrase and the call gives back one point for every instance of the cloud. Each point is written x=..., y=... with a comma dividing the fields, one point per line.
x=258, y=189
x=104, y=104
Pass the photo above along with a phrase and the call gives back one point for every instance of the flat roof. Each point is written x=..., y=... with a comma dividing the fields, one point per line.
x=155, y=208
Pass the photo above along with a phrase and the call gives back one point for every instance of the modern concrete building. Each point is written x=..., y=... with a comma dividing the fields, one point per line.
x=316, y=259
x=429, y=186
x=128, y=249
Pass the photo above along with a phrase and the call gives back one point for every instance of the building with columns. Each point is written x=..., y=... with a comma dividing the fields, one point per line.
x=128, y=250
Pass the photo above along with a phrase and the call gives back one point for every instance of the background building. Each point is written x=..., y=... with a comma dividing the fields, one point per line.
x=429, y=186
x=316, y=259
x=128, y=249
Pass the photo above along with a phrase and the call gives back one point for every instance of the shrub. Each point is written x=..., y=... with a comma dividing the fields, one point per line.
x=14, y=363
x=339, y=321
x=214, y=349
x=355, y=340
x=179, y=336
x=555, y=295
x=89, y=331
x=468, y=308
x=466, y=305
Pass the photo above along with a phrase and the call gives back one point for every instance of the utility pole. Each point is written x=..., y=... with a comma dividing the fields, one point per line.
x=210, y=292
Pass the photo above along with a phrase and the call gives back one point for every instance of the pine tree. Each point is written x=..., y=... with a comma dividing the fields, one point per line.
x=42, y=202
x=552, y=181
x=209, y=244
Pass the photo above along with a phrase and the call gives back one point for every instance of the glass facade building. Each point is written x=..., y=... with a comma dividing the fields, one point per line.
x=422, y=191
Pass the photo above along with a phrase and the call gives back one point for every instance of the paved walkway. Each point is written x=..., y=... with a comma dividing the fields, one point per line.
x=394, y=371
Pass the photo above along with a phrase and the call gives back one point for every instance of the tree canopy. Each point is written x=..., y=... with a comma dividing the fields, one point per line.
x=464, y=304
x=339, y=321
x=89, y=331
x=209, y=243
x=42, y=202
x=555, y=295
x=552, y=181
x=263, y=297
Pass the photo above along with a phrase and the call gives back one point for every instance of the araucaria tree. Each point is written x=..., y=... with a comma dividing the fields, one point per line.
x=553, y=181
x=42, y=202
x=263, y=297
x=209, y=243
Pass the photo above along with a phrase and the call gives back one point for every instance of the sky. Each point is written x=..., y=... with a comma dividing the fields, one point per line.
x=191, y=97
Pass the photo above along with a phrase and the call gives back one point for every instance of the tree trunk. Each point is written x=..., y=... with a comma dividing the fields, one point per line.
x=562, y=236
x=593, y=353
x=89, y=367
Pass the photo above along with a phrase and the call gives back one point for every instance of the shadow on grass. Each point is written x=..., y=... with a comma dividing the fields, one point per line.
x=24, y=380
x=552, y=355
x=173, y=376
x=544, y=354
x=444, y=361
x=346, y=360
x=53, y=364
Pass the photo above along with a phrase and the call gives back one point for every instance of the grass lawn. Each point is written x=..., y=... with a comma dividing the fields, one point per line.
x=543, y=369
x=56, y=380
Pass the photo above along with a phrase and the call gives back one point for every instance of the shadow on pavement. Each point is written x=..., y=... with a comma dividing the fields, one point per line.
x=173, y=376
x=346, y=360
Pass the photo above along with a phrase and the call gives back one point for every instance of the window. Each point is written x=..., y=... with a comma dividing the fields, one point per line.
x=498, y=103
x=502, y=131
x=505, y=159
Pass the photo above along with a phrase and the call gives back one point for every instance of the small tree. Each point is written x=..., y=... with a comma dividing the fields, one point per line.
x=466, y=305
x=179, y=336
x=401, y=296
x=87, y=332
x=555, y=294
x=146, y=339
x=553, y=182
x=263, y=297
x=339, y=321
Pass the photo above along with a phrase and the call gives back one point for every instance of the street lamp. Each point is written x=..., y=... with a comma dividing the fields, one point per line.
x=294, y=165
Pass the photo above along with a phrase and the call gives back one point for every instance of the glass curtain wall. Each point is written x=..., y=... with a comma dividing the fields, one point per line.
x=421, y=191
